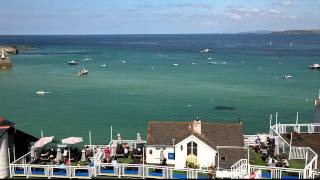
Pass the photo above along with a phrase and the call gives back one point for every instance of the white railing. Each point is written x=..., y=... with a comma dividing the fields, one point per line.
x=35, y=170
x=239, y=169
x=299, y=128
x=277, y=172
x=106, y=169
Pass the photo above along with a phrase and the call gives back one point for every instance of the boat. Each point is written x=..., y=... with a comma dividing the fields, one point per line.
x=103, y=65
x=83, y=72
x=314, y=66
x=209, y=58
x=205, y=50
x=211, y=62
x=287, y=77
x=73, y=62
x=176, y=64
x=42, y=93
x=123, y=61
x=87, y=59
x=5, y=62
x=291, y=44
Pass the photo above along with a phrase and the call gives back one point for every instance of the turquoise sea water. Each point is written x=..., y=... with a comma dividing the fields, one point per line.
x=247, y=76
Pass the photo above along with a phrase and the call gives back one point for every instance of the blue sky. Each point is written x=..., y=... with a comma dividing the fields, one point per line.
x=151, y=16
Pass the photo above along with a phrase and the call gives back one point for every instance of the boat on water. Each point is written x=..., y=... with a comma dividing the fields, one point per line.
x=314, y=66
x=73, y=62
x=211, y=62
x=103, y=65
x=87, y=59
x=176, y=64
x=83, y=72
x=42, y=93
x=287, y=76
x=5, y=62
x=206, y=50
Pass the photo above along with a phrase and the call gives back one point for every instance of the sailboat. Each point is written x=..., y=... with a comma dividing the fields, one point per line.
x=270, y=43
x=291, y=44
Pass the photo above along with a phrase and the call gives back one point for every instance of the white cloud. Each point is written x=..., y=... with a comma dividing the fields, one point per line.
x=274, y=11
x=190, y=5
x=239, y=13
x=288, y=3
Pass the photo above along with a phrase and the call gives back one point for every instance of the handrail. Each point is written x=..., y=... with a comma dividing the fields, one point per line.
x=20, y=158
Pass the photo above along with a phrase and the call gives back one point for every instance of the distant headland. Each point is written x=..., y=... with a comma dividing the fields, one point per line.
x=285, y=32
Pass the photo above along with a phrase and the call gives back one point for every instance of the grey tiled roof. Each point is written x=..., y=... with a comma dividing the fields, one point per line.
x=213, y=134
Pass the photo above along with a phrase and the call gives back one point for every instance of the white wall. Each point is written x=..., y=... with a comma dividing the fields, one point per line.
x=4, y=172
x=205, y=154
x=154, y=158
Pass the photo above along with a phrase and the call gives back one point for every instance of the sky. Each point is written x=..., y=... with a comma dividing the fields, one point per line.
x=155, y=16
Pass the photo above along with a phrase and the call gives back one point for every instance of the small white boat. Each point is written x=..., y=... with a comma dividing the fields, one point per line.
x=87, y=59
x=291, y=44
x=152, y=67
x=287, y=77
x=209, y=58
x=211, y=62
x=314, y=66
x=123, y=61
x=194, y=63
x=42, y=93
x=83, y=72
x=73, y=62
x=103, y=65
x=176, y=64
x=205, y=50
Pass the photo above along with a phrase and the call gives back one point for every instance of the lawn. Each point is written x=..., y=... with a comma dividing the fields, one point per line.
x=257, y=160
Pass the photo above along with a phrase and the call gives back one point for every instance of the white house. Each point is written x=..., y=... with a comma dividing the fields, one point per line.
x=207, y=141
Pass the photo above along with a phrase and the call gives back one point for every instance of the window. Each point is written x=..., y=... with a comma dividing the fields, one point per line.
x=181, y=147
x=223, y=158
x=192, y=148
x=150, y=151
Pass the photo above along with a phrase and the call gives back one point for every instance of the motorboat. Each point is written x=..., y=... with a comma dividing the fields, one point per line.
x=209, y=58
x=205, y=50
x=103, y=65
x=73, y=62
x=314, y=66
x=211, y=62
x=87, y=59
x=176, y=64
x=287, y=77
x=42, y=93
x=123, y=61
x=83, y=72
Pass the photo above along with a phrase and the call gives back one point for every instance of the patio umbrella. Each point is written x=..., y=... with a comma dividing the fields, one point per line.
x=43, y=141
x=58, y=154
x=119, y=138
x=138, y=138
x=83, y=155
x=72, y=140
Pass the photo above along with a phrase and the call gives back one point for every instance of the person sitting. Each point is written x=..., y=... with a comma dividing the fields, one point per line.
x=286, y=163
x=269, y=164
x=126, y=152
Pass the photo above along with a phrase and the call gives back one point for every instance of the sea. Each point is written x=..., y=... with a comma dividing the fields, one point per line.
x=157, y=78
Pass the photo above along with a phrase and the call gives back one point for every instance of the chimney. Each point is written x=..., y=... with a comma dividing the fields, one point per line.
x=197, y=125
